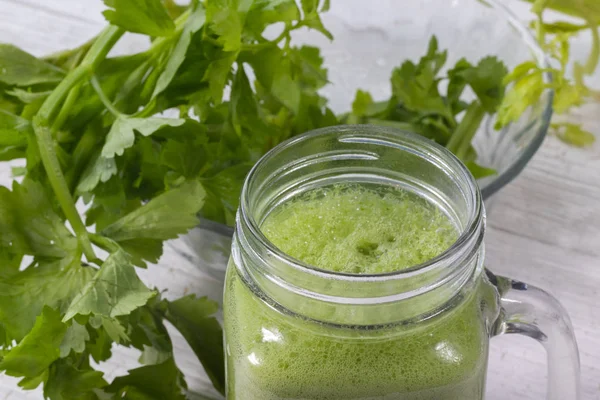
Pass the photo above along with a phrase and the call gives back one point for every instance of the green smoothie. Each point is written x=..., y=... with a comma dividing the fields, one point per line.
x=354, y=229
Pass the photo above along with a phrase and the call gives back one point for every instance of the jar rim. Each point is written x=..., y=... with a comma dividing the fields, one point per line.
x=471, y=235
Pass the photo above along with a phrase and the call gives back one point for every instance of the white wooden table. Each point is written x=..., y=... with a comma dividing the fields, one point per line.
x=544, y=228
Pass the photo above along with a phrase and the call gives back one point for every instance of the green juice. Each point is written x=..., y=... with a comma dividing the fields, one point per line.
x=360, y=230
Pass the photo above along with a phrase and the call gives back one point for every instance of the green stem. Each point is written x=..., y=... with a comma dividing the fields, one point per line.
x=43, y=133
x=81, y=156
x=538, y=9
x=59, y=184
x=258, y=46
x=106, y=40
x=150, y=84
x=66, y=54
x=66, y=108
x=55, y=99
x=460, y=141
x=165, y=41
x=147, y=111
x=104, y=243
x=105, y=100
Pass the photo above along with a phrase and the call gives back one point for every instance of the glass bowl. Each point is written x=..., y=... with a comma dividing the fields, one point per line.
x=371, y=38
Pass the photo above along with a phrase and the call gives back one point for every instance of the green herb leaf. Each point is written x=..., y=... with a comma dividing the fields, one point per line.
x=192, y=25
x=487, y=81
x=142, y=250
x=223, y=193
x=24, y=295
x=573, y=134
x=110, y=202
x=285, y=87
x=149, y=17
x=265, y=62
x=114, y=290
x=243, y=106
x=361, y=104
x=99, y=346
x=114, y=329
x=153, y=382
x=74, y=339
x=312, y=18
x=308, y=65
x=164, y=217
x=18, y=171
x=149, y=334
x=435, y=59
x=568, y=96
x=520, y=71
x=99, y=171
x=185, y=157
x=22, y=69
x=11, y=153
x=66, y=382
x=38, y=349
x=36, y=224
x=225, y=21
x=262, y=13
x=217, y=74
x=122, y=133
x=193, y=317
x=479, y=171
x=457, y=84
x=525, y=92
x=27, y=97
x=30, y=383
x=563, y=27
x=29, y=225
x=416, y=85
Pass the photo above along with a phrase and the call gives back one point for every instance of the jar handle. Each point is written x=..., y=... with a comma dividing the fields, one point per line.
x=530, y=311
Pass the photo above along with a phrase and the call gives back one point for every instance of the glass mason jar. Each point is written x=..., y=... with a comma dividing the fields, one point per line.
x=294, y=331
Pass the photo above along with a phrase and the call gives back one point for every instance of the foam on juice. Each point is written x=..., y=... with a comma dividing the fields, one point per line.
x=356, y=229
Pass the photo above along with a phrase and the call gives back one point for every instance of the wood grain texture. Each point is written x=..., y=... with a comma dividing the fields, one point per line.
x=544, y=228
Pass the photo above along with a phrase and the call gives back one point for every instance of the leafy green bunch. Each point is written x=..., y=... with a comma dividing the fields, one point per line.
x=418, y=105
x=570, y=88
x=92, y=129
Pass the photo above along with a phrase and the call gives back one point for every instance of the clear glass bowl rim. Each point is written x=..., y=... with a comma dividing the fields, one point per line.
x=506, y=176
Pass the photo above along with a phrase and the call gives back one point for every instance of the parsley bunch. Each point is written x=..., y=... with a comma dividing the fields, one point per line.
x=90, y=129
x=568, y=77
x=417, y=105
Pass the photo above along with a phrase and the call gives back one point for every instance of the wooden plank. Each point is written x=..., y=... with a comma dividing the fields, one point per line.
x=573, y=278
